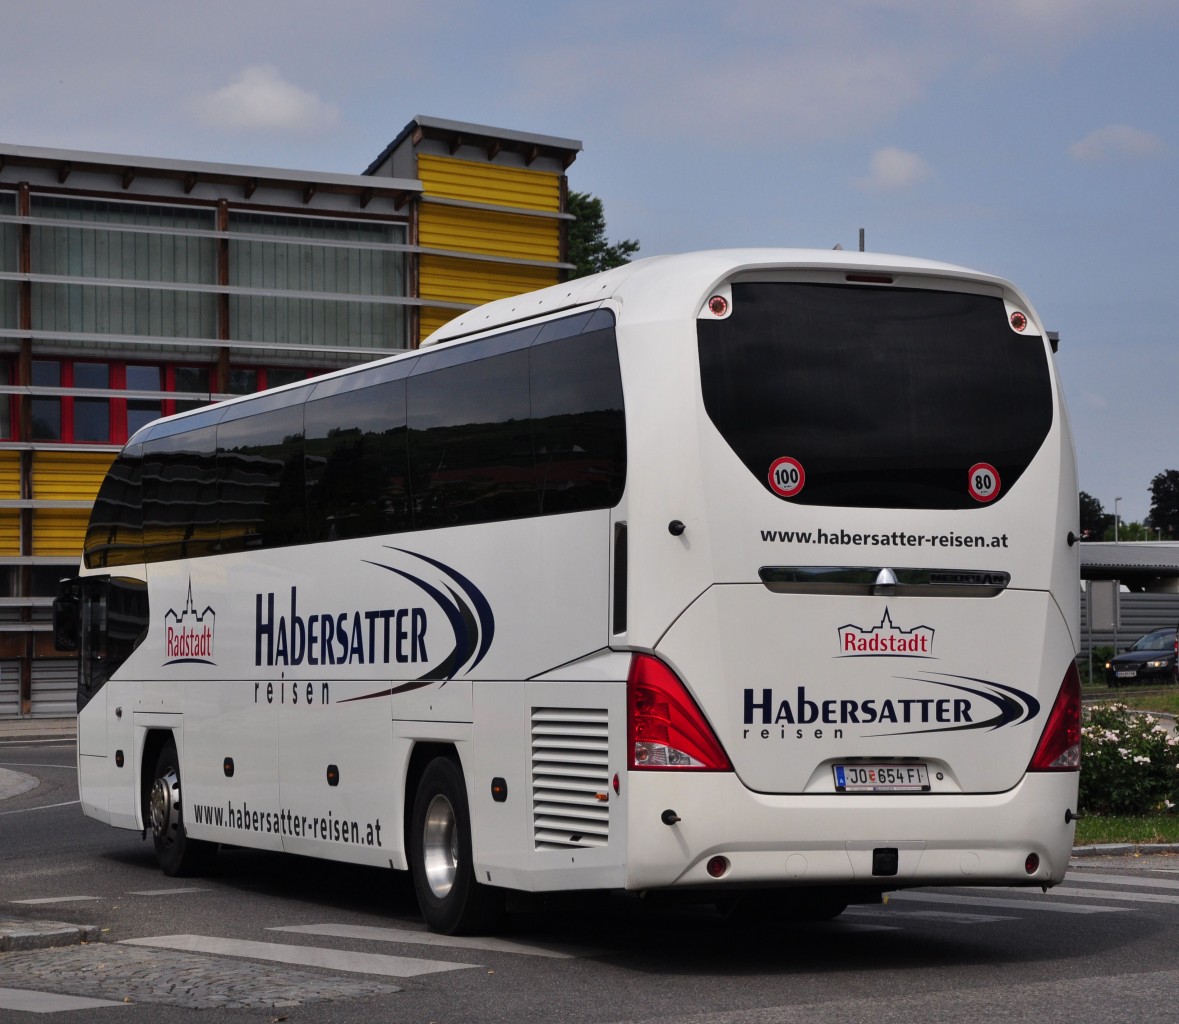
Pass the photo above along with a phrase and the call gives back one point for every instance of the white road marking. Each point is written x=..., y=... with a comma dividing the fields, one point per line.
x=1007, y=904
x=949, y=916
x=163, y=892
x=1145, y=883
x=43, y=807
x=558, y=951
x=29, y=1001
x=59, y=899
x=304, y=956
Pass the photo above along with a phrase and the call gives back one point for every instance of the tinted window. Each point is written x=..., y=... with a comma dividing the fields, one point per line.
x=260, y=475
x=180, y=515
x=357, y=463
x=115, y=533
x=886, y=397
x=470, y=439
x=578, y=428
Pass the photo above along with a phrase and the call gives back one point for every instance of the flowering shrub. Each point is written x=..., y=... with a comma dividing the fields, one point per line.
x=1130, y=762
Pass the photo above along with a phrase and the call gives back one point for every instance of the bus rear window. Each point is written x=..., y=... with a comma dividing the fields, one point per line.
x=882, y=397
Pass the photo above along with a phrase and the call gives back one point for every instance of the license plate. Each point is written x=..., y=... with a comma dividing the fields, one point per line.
x=1128, y=675
x=881, y=778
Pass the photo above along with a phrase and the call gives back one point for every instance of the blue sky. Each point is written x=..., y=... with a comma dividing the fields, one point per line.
x=1034, y=139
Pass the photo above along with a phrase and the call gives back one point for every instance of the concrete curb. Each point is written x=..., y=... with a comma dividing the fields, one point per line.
x=22, y=935
x=1124, y=849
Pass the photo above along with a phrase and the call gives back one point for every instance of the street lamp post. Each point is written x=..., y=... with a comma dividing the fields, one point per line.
x=1116, y=500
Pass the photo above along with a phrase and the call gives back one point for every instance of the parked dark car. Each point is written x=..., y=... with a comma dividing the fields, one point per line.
x=1151, y=659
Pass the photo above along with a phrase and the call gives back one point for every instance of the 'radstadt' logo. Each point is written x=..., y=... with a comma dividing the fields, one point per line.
x=887, y=640
x=188, y=635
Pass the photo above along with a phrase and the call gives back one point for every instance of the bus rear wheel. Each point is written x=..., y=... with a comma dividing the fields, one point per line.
x=177, y=854
x=451, y=900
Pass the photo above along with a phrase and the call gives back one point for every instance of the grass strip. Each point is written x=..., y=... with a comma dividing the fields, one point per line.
x=1154, y=828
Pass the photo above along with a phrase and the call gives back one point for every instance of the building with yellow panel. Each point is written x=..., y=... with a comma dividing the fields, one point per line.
x=489, y=220
x=134, y=287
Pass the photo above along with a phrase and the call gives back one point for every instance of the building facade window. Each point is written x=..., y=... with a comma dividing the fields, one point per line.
x=122, y=257
x=316, y=282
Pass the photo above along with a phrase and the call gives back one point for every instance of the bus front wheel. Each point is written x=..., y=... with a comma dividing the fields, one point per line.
x=451, y=900
x=176, y=853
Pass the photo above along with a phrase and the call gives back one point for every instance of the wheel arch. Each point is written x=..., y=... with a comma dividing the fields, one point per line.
x=421, y=755
x=154, y=741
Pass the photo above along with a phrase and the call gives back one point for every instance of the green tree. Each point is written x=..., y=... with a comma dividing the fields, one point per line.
x=1094, y=519
x=1164, y=503
x=589, y=251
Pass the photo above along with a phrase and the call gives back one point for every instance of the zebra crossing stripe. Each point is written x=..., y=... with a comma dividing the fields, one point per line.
x=303, y=956
x=557, y=951
x=29, y=1001
x=1051, y=906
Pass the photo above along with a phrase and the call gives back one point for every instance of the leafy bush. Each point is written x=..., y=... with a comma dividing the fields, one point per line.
x=1130, y=762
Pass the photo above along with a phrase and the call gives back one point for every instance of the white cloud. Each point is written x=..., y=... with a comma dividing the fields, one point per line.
x=260, y=98
x=892, y=170
x=1116, y=142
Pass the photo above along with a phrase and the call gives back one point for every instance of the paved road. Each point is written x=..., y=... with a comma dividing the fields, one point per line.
x=269, y=938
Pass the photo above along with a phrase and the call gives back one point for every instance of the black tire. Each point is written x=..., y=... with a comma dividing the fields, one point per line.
x=177, y=854
x=451, y=900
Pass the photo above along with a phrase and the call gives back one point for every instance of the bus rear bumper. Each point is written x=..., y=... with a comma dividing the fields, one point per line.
x=1019, y=837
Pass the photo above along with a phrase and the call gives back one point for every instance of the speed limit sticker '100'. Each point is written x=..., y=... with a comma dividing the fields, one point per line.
x=786, y=476
x=983, y=482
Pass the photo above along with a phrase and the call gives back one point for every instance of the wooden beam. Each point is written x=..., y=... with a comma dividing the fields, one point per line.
x=250, y=187
x=494, y=148
x=128, y=177
x=64, y=171
x=455, y=144
x=531, y=155
x=366, y=197
x=190, y=181
x=308, y=193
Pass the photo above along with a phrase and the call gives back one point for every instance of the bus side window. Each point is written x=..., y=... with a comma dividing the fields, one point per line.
x=470, y=438
x=578, y=424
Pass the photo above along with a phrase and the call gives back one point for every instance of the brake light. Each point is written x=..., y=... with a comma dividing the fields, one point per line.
x=665, y=728
x=1059, y=749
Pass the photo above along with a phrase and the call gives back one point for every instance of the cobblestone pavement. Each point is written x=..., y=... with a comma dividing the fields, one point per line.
x=133, y=975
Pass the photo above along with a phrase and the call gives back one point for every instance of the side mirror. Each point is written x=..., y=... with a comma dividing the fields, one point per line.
x=65, y=617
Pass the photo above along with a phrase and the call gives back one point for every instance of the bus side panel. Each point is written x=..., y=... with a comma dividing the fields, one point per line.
x=338, y=795
x=554, y=750
x=92, y=759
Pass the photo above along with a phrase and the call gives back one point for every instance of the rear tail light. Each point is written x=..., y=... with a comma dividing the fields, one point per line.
x=665, y=728
x=1059, y=749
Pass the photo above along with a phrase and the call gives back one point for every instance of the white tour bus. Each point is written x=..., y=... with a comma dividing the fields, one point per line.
x=743, y=575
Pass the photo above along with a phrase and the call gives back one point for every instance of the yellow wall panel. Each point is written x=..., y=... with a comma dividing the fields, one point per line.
x=9, y=475
x=69, y=476
x=431, y=319
x=59, y=531
x=9, y=532
x=494, y=184
x=492, y=234
x=451, y=280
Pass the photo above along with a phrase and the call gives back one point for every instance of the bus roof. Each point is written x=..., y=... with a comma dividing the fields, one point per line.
x=690, y=273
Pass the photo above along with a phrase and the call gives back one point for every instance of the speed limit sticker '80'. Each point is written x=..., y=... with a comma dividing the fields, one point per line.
x=786, y=476
x=983, y=482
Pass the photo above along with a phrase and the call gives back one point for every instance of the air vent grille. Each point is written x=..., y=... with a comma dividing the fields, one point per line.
x=570, y=778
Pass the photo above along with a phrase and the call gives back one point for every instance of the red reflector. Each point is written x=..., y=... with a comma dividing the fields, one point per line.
x=1019, y=321
x=718, y=867
x=666, y=730
x=1059, y=749
x=1032, y=864
x=718, y=305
